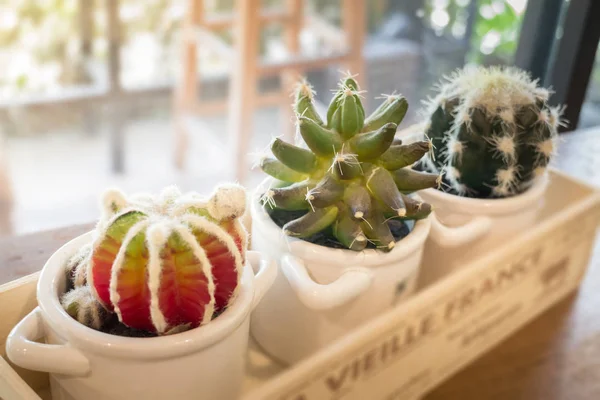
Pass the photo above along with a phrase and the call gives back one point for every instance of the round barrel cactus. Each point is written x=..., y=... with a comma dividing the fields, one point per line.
x=350, y=174
x=164, y=262
x=493, y=131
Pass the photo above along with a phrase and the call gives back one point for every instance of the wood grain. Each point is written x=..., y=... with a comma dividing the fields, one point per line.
x=24, y=255
x=554, y=357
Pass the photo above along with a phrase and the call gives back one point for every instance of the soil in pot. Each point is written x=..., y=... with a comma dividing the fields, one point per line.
x=114, y=327
x=399, y=229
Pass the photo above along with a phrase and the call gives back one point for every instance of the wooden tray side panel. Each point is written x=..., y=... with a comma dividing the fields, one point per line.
x=13, y=386
x=453, y=322
x=17, y=299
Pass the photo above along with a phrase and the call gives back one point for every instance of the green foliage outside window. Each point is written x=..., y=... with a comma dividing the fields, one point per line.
x=490, y=27
x=40, y=41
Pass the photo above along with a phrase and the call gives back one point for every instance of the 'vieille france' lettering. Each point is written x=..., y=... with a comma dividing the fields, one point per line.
x=413, y=332
x=381, y=355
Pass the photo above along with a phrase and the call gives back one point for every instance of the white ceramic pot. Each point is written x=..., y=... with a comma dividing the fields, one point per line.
x=463, y=229
x=84, y=364
x=321, y=293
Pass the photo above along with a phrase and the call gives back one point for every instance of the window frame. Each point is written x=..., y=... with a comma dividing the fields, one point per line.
x=558, y=44
x=574, y=56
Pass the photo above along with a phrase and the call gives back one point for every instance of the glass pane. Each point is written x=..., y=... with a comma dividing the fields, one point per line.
x=150, y=31
x=45, y=47
x=52, y=56
x=416, y=42
x=66, y=134
x=590, y=111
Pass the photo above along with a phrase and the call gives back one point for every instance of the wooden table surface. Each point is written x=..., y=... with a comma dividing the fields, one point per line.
x=554, y=357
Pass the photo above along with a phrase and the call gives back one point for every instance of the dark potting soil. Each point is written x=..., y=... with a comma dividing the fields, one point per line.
x=114, y=327
x=325, y=238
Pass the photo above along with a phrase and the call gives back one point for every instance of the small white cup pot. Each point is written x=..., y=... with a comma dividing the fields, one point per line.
x=203, y=363
x=321, y=293
x=463, y=229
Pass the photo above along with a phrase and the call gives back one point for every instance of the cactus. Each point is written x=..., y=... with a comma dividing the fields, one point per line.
x=492, y=131
x=76, y=267
x=81, y=304
x=162, y=264
x=350, y=170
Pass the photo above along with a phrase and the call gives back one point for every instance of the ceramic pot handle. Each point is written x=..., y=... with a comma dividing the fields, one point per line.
x=266, y=272
x=54, y=358
x=352, y=283
x=445, y=236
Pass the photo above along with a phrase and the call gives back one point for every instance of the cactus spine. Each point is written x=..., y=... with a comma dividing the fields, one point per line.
x=161, y=263
x=351, y=172
x=492, y=130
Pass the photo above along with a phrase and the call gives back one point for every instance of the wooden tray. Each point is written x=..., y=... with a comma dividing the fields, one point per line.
x=409, y=350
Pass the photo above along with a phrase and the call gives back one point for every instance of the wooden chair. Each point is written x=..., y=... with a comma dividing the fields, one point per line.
x=247, y=68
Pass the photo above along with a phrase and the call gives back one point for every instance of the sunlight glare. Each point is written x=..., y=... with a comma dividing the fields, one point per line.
x=518, y=5
x=440, y=18
x=490, y=41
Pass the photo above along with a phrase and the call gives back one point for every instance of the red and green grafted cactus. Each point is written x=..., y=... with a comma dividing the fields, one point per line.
x=168, y=261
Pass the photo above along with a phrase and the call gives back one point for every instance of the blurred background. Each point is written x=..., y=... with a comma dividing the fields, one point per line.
x=144, y=93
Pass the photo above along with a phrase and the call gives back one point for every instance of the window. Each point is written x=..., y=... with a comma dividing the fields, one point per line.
x=419, y=41
x=86, y=87
x=590, y=112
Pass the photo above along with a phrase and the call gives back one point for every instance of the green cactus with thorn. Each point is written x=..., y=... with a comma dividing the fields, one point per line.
x=492, y=131
x=351, y=176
